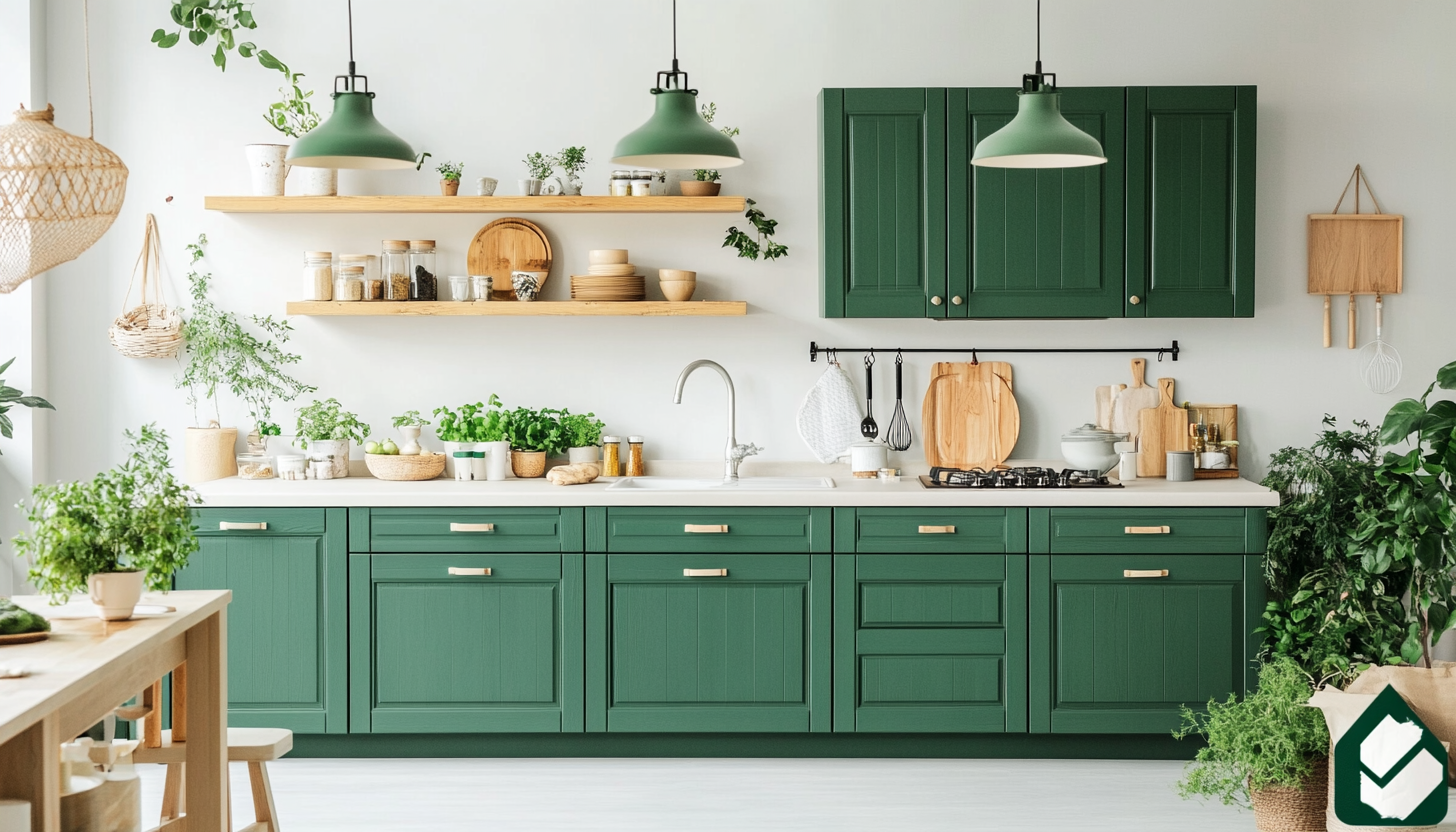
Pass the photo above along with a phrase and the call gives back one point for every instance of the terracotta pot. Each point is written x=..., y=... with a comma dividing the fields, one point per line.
x=692, y=187
x=115, y=594
x=209, y=454
x=528, y=464
x=449, y=187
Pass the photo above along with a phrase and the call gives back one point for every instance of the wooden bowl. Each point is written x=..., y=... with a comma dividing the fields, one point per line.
x=692, y=187
x=678, y=290
x=606, y=256
x=397, y=468
x=676, y=274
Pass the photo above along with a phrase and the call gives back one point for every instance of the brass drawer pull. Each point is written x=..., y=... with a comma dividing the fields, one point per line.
x=469, y=570
x=693, y=528
x=1147, y=530
x=1144, y=573
x=937, y=529
x=242, y=527
x=472, y=527
x=705, y=573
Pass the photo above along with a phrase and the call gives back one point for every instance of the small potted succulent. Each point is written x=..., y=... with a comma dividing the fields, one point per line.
x=129, y=528
x=450, y=177
x=538, y=166
x=534, y=435
x=705, y=180
x=583, y=436
x=325, y=430
x=410, y=424
x=572, y=161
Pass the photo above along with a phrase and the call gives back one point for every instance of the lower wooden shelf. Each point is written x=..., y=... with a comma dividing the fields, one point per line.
x=648, y=308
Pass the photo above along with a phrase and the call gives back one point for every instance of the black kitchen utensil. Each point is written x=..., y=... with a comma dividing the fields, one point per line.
x=898, y=437
x=868, y=428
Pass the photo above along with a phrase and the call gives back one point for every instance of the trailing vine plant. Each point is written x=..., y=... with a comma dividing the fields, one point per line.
x=757, y=241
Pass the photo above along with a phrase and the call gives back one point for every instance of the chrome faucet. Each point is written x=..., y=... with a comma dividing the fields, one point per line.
x=733, y=453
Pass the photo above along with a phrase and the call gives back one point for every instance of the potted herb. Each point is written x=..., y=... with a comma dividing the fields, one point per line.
x=450, y=177
x=476, y=433
x=326, y=429
x=9, y=397
x=534, y=434
x=583, y=435
x=572, y=161
x=223, y=353
x=705, y=181
x=129, y=527
x=538, y=166
x=410, y=424
x=1269, y=750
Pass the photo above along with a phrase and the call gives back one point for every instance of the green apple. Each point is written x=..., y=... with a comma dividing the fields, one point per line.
x=371, y=448
x=389, y=447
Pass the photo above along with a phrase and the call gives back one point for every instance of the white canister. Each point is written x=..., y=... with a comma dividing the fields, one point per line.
x=497, y=460
x=480, y=462
x=867, y=457
x=267, y=168
x=1213, y=460
x=1127, y=466
x=461, y=463
x=452, y=453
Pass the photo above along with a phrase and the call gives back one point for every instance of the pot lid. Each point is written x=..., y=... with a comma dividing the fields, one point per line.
x=1091, y=433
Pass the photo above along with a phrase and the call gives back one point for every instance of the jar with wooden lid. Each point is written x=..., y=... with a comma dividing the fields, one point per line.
x=394, y=269
x=318, y=275
x=641, y=183
x=349, y=285
x=371, y=285
x=621, y=183
x=423, y=283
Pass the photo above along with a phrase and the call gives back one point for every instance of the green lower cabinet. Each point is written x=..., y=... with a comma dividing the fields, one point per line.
x=287, y=622
x=1123, y=641
x=708, y=643
x=466, y=643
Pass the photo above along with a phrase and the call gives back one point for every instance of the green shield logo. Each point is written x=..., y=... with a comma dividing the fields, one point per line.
x=1390, y=770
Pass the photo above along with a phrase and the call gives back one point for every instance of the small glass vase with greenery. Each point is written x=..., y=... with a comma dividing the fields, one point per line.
x=134, y=521
x=328, y=428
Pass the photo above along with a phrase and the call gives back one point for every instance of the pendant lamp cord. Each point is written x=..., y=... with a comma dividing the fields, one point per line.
x=1038, y=37
x=86, y=28
x=351, y=43
x=674, y=35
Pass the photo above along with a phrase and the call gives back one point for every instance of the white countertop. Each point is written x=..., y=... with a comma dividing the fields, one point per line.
x=367, y=492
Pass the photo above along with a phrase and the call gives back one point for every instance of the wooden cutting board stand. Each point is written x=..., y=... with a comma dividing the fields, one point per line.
x=1161, y=429
x=1355, y=254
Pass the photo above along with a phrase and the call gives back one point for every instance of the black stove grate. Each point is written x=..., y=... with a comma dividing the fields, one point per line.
x=1026, y=477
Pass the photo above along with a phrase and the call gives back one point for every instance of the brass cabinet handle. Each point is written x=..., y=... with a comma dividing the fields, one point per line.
x=1144, y=573
x=469, y=570
x=1147, y=530
x=242, y=527
x=472, y=527
x=693, y=528
x=705, y=573
x=937, y=529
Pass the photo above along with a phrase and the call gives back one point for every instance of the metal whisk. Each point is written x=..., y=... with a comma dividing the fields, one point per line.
x=1380, y=364
x=898, y=437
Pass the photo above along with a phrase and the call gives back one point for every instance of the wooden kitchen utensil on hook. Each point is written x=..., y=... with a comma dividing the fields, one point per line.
x=1161, y=429
x=1355, y=254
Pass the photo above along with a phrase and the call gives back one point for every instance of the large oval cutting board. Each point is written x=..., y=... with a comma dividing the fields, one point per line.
x=506, y=245
x=970, y=418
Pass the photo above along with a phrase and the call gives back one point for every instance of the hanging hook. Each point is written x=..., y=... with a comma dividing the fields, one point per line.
x=975, y=361
x=899, y=358
x=869, y=359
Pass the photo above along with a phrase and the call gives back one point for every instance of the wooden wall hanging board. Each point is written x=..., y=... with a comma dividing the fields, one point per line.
x=1356, y=254
x=1161, y=429
x=506, y=245
x=1226, y=416
x=969, y=417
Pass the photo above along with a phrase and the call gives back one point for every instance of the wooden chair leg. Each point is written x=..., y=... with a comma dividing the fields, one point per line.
x=263, y=809
x=174, y=798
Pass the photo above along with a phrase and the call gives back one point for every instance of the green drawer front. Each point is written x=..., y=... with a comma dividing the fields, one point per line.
x=429, y=530
x=1114, y=531
x=660, y=568
x=776, y=530
x=210, y=521
x=966, y=530
x=930, y=591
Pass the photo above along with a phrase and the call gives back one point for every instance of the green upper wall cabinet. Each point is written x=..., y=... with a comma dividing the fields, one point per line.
x=912, y=230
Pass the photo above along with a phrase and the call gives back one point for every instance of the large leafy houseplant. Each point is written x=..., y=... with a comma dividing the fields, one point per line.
x=328, y=421
x=9, y=397
x=135, y=517
x=536, y=430
x=1405, y=528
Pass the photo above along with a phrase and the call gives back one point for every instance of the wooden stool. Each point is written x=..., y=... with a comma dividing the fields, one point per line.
x=255, y=746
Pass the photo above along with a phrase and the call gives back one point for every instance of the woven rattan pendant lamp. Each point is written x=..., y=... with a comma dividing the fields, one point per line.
x=58, y=192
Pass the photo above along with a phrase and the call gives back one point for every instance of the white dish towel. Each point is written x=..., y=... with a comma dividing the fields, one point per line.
x=829, y=418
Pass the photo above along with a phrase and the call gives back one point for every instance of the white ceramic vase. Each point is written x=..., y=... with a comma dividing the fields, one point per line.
x=529, y=187
x=265, y=163
x=572, y=187
x=116, y=594
x=313, y=181
x=411, y=444
x=588, y=454
x=337, y=448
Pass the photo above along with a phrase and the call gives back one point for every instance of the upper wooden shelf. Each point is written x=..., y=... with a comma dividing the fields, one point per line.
x=648, y=308
x=476, y=204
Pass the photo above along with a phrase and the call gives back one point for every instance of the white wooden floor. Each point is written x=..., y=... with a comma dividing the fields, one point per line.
x=502, y=795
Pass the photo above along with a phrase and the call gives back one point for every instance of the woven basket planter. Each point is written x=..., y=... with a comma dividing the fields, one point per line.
x=528, y=464
x=1300, y=809
x=399, y=468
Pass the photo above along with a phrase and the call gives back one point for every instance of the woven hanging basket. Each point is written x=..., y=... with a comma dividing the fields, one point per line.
x=151, y=330
x=1280, y=809
x=58, y=195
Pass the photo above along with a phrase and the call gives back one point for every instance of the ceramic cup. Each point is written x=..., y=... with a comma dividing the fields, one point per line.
x=265, y=163
x=526, y=285
x=115, y=594
x=485, y=186
x=529, y=187
x=1127, y=467
x=1180, y=466
x=480, y=286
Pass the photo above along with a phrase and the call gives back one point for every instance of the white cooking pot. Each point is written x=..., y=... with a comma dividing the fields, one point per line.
x=1090, y=448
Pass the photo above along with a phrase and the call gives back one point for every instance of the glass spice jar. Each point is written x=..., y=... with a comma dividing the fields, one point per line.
x=635, y=467
x=459, y=287
x=611, y=456
x=372, y=287
x=394, y=268
x=621, y=183
x=423, y=283
x=349, y=285
x=641, y=183
x=318, y=275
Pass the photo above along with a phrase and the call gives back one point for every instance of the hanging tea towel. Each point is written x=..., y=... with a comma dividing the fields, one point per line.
x=829, y=417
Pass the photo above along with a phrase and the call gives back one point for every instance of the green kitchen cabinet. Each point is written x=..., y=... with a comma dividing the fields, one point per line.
x=287, y=623
x=1190, y=184
x=1029, y=243
x=466, y=643
x=882, y=202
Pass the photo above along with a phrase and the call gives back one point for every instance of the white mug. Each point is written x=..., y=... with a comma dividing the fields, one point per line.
x=265, y=163
x=1127, y=467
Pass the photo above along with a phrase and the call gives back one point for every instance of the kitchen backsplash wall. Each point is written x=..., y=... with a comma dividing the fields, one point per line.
x=487, y=83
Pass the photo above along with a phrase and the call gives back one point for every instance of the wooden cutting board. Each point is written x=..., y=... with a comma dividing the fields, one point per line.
x=1161, y=429
x=969, y=417
x=506, y=245
x=1133, y=401
x=1105, y=397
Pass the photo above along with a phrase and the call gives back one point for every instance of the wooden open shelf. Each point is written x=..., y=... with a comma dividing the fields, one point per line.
x=648, y=308
x=476, y=204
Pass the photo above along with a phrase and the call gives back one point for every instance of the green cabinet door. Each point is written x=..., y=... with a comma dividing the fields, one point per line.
x=287, y=636
x=1035, y=243
x=712, y=643
x=466, y=643
x=882, y=202
x=1121, y=642
x=1190, y=174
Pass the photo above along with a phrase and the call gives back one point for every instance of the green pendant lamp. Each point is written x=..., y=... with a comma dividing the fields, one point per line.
x=1039, y=136
x=352, y=137
x=676, y=137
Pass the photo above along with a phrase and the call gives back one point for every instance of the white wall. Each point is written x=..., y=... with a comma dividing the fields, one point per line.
x=1340, y=82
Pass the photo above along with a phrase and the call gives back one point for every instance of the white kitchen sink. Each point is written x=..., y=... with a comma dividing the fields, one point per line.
x=744, y=484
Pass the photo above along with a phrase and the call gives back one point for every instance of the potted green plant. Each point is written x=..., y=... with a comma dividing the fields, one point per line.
x=538, y=167
x=222, y=353
x=450, y=177
x=326, y=429
x=583, y=436
x=410, y=424
x=1269, y=750
x=572, y=161
x=476, y=433
x=705, y=180
x=10, y=397
x=534, y=434
x=128, y=528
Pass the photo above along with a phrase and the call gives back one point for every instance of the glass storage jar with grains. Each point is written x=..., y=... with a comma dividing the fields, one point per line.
x=394, y=266
x=349, y=285
x=423, y=283
x=621, y=184
x=318, y=275
x=611, y=456
x=372, y=287
x=641, y=183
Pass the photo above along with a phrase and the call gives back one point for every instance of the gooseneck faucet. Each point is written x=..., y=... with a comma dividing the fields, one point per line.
x=733, y=453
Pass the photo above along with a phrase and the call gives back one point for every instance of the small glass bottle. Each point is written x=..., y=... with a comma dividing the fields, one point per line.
x=394, y=267
x=373, y=286
x=459, y=287
x=611, y=456
x=318, y=275
x=641, y=183
x=635, y=467
x=621, y=184
x=423, y=283
x=349, y=285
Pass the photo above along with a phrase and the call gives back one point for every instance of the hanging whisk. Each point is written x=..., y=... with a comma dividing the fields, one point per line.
x=898, y=437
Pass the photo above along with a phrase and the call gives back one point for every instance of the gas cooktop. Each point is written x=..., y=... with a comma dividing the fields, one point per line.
x=1016, y=478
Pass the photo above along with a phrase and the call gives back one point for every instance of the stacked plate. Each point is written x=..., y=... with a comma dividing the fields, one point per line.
x=630, y=287
x=613, y=270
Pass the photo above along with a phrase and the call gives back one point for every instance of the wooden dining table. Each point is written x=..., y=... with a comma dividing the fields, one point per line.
x=86, y=668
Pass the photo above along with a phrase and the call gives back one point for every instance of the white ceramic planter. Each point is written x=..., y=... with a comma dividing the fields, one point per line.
x=497, y=460
x=529, y=187
x=115, y=594
x=209, y=454
x=265, y=163
x=338, y=448
x=480, y=461
x=306, y=181
x=588, y=454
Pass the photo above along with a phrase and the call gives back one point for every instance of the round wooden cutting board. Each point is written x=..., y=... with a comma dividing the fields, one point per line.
x=23, y=638
x=506, y=245
x=970, y=418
